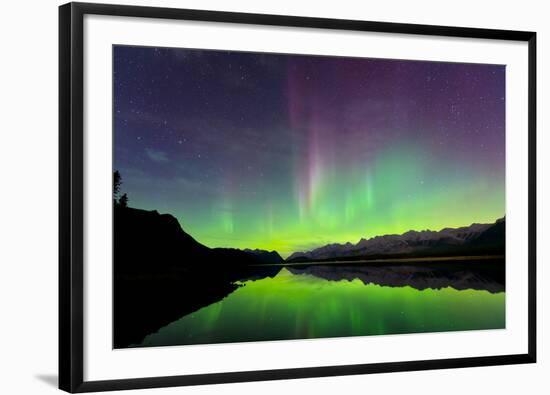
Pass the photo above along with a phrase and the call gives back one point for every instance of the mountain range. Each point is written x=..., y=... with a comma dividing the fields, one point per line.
x=467, y=240
x=147, y=241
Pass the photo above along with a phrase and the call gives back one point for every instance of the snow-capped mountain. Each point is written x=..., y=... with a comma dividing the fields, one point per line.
x=407, y=243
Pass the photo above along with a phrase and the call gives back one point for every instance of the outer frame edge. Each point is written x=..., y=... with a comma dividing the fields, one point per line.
x=71, y=202
x=302, y=21
x=71, y=364
x=300, y=373
x=64, y=353
x=532, y=192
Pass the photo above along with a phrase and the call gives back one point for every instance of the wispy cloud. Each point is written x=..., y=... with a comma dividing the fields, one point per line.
x=156, y=155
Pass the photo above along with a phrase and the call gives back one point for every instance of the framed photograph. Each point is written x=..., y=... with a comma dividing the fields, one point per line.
x=256, y=197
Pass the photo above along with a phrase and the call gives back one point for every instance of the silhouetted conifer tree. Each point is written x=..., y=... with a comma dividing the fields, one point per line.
x=123, y=201
x=117, y=181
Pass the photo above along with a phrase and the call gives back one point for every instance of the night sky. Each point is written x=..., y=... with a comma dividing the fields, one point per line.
x=291, y=152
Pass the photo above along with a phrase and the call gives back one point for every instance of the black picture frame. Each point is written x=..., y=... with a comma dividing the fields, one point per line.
x=71, y=222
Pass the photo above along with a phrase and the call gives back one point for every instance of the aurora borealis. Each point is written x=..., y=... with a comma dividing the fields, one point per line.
x=292, y=152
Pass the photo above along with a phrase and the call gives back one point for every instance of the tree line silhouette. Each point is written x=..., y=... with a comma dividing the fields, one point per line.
x=121, y=201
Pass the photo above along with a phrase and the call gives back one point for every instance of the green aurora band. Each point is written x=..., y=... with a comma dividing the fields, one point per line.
x=400, y=191
x=290, y=153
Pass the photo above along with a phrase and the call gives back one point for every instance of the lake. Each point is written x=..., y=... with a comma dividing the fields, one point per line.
x=322, y=300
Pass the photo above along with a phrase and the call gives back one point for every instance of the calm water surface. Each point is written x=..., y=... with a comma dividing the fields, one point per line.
x=326, y=301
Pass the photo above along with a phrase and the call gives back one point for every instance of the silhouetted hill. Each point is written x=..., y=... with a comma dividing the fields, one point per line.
x=494, y=237
x=149, y=242
x=265, y=256
x=160, y=273
x=476, y=239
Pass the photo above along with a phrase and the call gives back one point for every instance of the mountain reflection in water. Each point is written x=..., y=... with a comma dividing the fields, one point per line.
x=334, y=300
x=485, y=277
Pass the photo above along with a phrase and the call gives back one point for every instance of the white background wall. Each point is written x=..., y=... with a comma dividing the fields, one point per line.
x=28, y=195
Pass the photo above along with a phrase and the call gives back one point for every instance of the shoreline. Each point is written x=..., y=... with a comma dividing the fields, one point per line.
x=390, y=260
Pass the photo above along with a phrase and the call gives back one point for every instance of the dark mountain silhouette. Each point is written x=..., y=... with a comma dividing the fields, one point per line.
x=162, y=273
x=494, y=237
x=265, y=256
x=149, y=242
x=476, y=239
